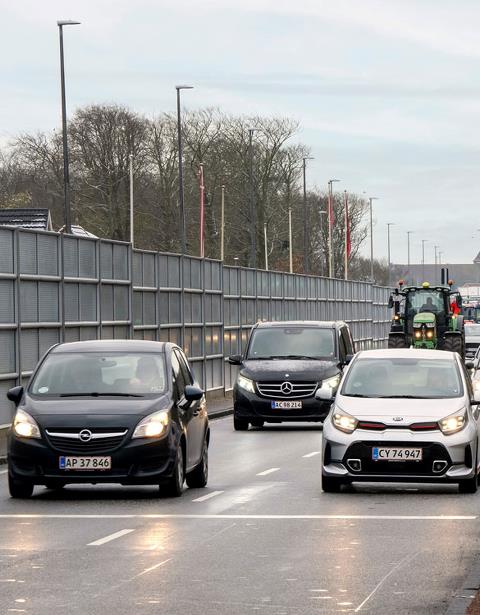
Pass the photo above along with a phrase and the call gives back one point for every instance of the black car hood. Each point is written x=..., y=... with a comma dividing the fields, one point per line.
x=297, y=369
x=93, y=411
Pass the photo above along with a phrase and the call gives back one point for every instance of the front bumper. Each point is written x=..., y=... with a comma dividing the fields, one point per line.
x=445, y=458
x=251, y=406
x=135, y=462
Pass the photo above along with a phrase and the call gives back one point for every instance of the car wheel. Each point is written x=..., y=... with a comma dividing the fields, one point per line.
x=239, y=424
x=19, y=488
x=198, y=477
x=174, y=486
x=331, y=485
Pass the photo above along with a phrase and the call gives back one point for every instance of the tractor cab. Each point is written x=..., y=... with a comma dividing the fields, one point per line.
x=426, y=317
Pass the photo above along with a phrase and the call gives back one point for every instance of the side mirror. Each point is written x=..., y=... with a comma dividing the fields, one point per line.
x=325, y=393
x=15, y=395
x=348, y=359
x=235, y=359
x=193, y=393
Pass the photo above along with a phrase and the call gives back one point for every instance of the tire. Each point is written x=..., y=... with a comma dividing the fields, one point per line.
x=454, y=343
x=198, y=477
x=331, y=485
x=469, y=485
x=174, y=486
x=397, y=341
x=19, y=489
x=239, y=424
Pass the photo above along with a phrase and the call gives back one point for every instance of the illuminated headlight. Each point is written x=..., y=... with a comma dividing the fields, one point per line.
x=418, y=334
x=429, y=334
x=246, y=383
x=344, y=422
x=25, y=426
x=453, y=423
x=152, y=426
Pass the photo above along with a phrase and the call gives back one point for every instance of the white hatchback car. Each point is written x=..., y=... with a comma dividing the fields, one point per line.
x=402, y=415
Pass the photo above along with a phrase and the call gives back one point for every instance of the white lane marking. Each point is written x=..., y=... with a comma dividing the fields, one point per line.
x=235, y=516
x=406, y=559
x=147, y=570
x=311, y=454
x=208, y=496
x=102, y=541
x=269, y=471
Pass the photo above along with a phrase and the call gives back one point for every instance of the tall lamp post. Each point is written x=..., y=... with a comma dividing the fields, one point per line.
x=181, y=192
x=330, y=225
x=132, y=235
x=372, y=198
x=389, y=224
x=424, y=241
x=306, y=242
x=436, y=263
x=408, y=250
x=66, y=170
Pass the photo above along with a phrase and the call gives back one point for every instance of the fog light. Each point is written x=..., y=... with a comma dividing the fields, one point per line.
x=354, y=464
x=439, y=466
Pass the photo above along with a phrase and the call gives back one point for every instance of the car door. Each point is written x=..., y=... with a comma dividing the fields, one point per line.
x=194, y=417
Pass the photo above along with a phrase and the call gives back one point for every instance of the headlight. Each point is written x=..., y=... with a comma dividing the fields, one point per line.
x=246, y=383
x=25, y=426
x=332, y=382
x=152, y=426
x=344, y=422
x=453, y=423
x=418, y=334
x=429, y=334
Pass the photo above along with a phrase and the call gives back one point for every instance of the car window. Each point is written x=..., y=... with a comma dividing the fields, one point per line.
x=178, y=378
x=184, y=366
x=403, y=377
x=102, y=373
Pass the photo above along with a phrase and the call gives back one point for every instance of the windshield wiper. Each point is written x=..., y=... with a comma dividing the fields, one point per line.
x=94, y=394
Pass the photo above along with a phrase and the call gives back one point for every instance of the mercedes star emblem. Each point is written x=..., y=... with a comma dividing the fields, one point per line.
x=286, y=388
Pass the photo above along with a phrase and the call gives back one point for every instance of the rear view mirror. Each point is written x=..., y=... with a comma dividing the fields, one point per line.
x=325, y=393
x=235, y=359
x=193, y=393
x=15, y=395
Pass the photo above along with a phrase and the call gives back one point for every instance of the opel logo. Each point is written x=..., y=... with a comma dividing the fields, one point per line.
x=398, y=418
x=85, y=435
x=286, y=388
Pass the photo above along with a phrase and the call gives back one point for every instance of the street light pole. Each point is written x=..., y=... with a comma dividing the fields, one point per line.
x=131, y=199
x=372, y=198
x=181, y=191
x=265, y=244
x=306, y=239
x=66, y=170
x=408, y=250
x=389, y=224
x=290, y=247
x=222, y=227
x=330, y=227
x=424, y=241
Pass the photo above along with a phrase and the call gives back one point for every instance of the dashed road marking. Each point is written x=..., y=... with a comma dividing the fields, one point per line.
x=312, y=454
x=203, y=498
x=269, y=471
x=110, y=537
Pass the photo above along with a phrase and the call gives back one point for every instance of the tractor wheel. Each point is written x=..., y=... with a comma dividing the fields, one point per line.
x=454, y=343
x=397, y=341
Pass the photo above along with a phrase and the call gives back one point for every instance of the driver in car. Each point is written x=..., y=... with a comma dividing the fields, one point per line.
x=147, y=377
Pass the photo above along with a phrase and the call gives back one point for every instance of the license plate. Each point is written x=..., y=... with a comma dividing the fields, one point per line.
x=286, y=405
x=396, y=454
x=85, y=463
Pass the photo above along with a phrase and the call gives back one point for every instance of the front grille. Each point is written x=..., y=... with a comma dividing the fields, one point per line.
x=294, y=390
x=103, y=440
x=431, y=452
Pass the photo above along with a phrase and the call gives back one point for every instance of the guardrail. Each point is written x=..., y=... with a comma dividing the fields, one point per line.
x=56, y=288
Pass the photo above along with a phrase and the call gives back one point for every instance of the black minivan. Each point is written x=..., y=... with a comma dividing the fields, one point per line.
x=283, y=366
x=109, y=411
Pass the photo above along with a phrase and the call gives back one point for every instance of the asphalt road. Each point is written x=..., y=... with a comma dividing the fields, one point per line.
x=261, y=538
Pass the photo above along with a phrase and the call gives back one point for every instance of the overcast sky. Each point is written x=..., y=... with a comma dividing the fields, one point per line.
x=386, y=91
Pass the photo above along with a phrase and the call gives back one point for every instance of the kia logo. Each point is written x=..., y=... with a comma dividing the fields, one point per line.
x=286, y=388
x=85, y=435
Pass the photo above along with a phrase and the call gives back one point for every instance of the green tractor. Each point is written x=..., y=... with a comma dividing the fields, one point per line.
x=427, y=317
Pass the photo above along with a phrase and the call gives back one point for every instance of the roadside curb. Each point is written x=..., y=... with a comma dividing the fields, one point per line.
x=212, y=416
x=463, y=597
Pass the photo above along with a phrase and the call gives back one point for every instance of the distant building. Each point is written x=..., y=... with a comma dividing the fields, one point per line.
x=38, y=219
x=461, y=274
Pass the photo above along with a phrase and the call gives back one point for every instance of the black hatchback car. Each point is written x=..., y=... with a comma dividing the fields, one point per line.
x=283, y=366
x=109, y=411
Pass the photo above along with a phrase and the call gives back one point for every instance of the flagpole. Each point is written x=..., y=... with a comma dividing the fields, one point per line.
x=347, y=231
x=202, y=212
x=330, y=222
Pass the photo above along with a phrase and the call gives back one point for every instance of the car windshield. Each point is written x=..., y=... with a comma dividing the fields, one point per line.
x=292, y=343
x=426, y=301
x=95, y=373
x=403, y=377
